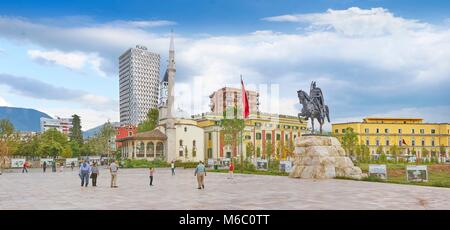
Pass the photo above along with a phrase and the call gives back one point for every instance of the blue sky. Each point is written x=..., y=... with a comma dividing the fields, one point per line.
x=372, y=58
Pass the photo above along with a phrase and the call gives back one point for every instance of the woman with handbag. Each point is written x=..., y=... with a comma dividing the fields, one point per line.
x=94, y=174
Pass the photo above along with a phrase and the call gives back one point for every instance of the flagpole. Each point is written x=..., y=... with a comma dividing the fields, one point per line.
x=243, y=120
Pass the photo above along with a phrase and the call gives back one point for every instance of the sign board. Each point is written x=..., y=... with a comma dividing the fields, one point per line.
x=17, y=162
x=94, y=159
x=417, y=173
x=285, y=166
x=48, y=160
x=226, y=162
x=70, y=160
x=262, y=164
x=378, y=171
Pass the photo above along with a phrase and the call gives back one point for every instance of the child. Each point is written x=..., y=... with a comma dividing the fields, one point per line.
x=230, y=171
x=151, y=170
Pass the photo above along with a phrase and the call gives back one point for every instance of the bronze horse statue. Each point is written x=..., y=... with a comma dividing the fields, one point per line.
x=313, y=106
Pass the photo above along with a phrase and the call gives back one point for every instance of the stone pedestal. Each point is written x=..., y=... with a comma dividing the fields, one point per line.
x=322, y=157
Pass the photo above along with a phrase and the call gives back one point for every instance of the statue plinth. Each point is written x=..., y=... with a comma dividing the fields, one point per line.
x=322, y=157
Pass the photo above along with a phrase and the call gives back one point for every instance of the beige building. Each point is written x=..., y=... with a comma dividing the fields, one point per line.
x=409, y=134
x=227, y=97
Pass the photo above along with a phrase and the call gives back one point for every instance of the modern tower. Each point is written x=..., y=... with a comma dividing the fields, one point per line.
x=139, y=84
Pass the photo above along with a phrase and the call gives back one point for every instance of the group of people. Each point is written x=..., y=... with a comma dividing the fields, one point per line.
x=92, y=172
x=87, y=171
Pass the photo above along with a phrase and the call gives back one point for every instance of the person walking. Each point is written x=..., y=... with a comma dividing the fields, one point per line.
x=200, y=172
x=94, y=174
x=72, y=165
x=172, y=166
x=25, y=167
x=151, y=171
x=113, y=168
x=44, y=166
x=231, y=171
x=61, y=167
x=85, y=169
x=53, y=165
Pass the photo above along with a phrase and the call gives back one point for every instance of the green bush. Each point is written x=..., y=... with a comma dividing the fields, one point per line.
x=158, y=163
x=188, y=164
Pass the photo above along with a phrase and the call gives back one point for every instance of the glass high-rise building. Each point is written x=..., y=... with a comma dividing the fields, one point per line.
x=138, y=84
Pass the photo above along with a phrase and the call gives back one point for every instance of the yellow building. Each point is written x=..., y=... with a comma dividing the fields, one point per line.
x=409, y=134
x=278, y=130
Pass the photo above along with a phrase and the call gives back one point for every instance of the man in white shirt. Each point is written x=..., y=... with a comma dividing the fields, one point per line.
x=113, y=168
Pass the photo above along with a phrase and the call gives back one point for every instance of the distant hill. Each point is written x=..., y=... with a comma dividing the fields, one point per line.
x=23, y=119
x=91, y=132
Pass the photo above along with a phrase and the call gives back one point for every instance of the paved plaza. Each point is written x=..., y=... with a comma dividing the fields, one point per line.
x=62, y=190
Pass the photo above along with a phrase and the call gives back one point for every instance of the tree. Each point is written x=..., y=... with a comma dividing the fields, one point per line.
x=349, y=141
x=394, y=150
x=150, y=122
x=269, y=149
x=75, y=148
x=231, y=129
x=67, y=152
x=249, y=150
x=76, y=133
x=258, y=152
x=6, y=139
x=425, y=152
x=52, y=149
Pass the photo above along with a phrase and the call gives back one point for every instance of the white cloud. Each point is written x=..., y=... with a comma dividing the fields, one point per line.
x=3, y=102
x=356, y=22
x=142, y=23
x=72, y=60
x=90, y=118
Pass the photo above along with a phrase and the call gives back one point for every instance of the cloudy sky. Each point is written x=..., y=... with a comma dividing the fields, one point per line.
x=371, y=58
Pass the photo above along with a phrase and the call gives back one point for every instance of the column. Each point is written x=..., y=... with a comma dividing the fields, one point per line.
x=154, y=148
x=145, y=149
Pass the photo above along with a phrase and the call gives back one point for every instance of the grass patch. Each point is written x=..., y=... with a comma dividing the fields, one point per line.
x=256, y=172
x=438, y=174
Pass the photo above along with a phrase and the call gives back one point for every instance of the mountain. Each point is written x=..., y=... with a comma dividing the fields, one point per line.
x=23, y=119
x=91, y=132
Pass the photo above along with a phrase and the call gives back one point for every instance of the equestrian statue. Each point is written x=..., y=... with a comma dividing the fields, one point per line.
x=313, y=106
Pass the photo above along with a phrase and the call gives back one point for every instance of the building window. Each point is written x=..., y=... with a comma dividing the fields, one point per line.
x=412, y=131
x=378, y=142
x=366, y=130
x=258, y=136
x=432, y=142
x=295, y=136
x=248, y=137
x=400, y=143
x=181, y=153
x=185, y=129
x=336, y=130
x=378, y=130
x=423, y=142
x=343, y=130
x=387, y=142
x=386, y=130
x=399, y=130
x=286, y=137
x=413, y=143
x=210, y=155
x=209, y=136
x=268, y=136
x=367, y=142
x=181, y=142
x=130, y=134
x=433, y=131
x=422, y=131
x=193, y=143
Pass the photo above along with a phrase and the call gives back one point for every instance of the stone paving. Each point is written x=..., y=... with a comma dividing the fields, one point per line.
x=61, y=190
